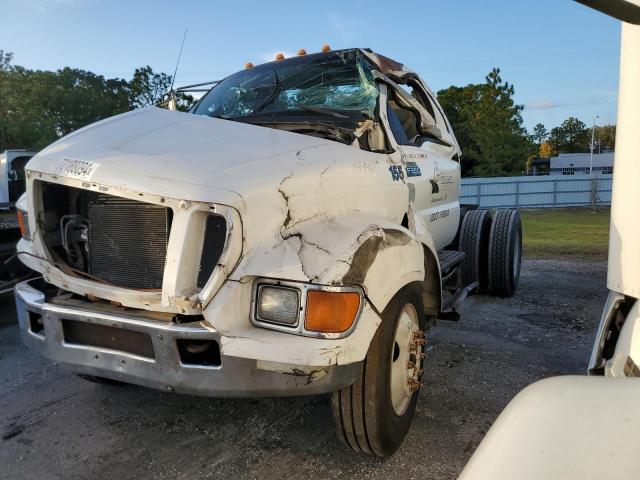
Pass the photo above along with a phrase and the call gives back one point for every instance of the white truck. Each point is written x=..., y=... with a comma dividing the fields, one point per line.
x=587, y=426
x=12, y=185
x=297, y=232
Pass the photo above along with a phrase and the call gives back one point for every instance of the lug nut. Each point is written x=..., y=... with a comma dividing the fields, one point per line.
x=413, y=385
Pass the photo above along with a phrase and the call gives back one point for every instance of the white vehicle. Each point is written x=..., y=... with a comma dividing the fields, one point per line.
x=587, y=427
x=12, y=185
x=297, y=232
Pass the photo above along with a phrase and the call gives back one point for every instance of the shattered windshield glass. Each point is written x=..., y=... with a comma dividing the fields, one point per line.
x=321, y=83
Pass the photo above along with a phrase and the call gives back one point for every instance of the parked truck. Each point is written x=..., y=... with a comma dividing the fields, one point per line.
x=12, y=185
x=297, y=232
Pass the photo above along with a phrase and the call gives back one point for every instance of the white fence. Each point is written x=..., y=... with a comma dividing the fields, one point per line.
x=537, y=192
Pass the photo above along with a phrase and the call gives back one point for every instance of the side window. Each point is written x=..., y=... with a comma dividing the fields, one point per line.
x=430, y=106
x=398, y=131
x=417, y=94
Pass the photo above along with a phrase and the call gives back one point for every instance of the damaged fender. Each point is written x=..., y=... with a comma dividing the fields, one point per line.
x=358, y=249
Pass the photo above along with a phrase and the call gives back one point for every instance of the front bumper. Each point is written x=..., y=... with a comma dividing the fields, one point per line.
x=164, y=368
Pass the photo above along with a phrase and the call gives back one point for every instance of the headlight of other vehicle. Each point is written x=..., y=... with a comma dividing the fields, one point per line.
x=23, y=224
x=276, y=304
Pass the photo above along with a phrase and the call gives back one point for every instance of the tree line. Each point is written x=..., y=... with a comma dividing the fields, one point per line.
x=38, y=107
x=488, y=125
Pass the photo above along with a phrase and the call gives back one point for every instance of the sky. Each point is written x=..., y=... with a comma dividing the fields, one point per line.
x=561, y=57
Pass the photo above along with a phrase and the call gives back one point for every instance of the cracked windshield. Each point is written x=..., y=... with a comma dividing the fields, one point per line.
x=322, y=85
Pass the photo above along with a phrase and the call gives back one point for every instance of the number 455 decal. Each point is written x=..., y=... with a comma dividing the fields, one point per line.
x=396, y=172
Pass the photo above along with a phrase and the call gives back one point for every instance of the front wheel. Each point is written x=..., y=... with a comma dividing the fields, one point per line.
x=374, y=414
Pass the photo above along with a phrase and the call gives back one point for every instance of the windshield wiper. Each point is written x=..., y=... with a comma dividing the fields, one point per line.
x=272, y=97
x=321, y=111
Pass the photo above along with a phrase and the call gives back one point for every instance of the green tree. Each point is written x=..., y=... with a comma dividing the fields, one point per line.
x=38, y=107
x=572, y=136
x=149, y=88
x=540, y=134
x=5, y=66
x=459, y=104
x=605, y=138
x=488, y=126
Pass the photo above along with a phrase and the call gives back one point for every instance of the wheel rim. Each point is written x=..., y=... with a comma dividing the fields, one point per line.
x=406, y=359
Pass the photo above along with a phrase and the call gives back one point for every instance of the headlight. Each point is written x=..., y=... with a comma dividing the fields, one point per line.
x=277, y=304
x=306, y=309
x=23, y=224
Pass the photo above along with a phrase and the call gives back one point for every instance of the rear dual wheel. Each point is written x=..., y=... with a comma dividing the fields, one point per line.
x=374, y=414
x=493, y=250
x=474, y=242
x=505, y=253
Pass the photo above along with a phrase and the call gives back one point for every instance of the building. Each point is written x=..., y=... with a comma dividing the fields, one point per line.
x=578, y=163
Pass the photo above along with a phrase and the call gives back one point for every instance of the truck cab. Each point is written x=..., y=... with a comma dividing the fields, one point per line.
x=296, y=232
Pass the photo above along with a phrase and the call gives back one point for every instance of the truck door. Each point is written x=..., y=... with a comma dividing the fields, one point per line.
x=430, y=165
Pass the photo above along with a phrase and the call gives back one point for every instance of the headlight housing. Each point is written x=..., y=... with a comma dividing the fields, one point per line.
x=305, y=309
x=23, y=224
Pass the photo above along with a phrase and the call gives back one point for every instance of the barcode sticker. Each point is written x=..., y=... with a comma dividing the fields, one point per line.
x=76, y=168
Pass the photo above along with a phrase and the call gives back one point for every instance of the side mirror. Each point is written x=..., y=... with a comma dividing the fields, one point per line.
x=625, y=10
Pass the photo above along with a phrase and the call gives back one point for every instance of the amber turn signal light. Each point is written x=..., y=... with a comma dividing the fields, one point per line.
x=23, y=224
x=331, y=312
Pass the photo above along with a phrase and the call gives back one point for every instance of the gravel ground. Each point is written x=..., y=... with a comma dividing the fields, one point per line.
x=54, y=425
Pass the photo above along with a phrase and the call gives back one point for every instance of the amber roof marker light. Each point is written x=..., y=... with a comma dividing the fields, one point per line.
x=279, y=56
x=302, y=52
x=248, y=65
x=325, y=48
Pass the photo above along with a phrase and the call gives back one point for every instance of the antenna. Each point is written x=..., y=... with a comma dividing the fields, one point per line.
x=178, y=61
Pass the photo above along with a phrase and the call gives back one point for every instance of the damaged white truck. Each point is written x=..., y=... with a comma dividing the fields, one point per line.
x=296, y=232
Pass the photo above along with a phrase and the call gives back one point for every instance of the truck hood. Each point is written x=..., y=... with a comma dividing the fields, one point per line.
x=177, y=154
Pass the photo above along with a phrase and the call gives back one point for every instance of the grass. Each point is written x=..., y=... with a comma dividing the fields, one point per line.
x=580, y=233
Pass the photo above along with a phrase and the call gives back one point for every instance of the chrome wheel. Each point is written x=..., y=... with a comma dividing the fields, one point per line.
x=406, y=359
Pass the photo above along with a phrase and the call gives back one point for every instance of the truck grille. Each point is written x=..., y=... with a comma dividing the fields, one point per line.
x=127, y=241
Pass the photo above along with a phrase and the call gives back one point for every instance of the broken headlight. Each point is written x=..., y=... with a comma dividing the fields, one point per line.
x=276, y=304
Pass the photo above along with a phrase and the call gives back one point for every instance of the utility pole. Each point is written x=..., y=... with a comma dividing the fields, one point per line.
x=593, y=140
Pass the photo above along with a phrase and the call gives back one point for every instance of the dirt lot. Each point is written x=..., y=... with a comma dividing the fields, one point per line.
x=54, y=425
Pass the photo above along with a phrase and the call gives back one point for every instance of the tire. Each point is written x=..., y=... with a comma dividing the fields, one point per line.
x=505, y=253
x=366, y=418
x=474, y=241
x=101, y=380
